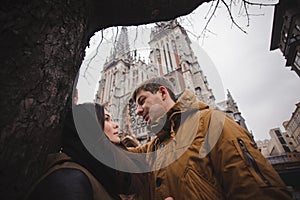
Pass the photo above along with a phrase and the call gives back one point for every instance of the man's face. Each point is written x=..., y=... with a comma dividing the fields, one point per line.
x=150, y=106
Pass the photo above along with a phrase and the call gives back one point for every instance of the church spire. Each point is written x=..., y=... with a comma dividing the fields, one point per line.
x=231, y=104
x=233, y=109
x=121, y=46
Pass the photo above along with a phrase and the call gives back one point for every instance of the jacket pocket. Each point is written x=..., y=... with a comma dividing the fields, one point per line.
x=197, y=187
x=252, y=164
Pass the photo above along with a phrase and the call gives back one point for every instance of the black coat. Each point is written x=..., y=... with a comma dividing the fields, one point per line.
x=72, y=184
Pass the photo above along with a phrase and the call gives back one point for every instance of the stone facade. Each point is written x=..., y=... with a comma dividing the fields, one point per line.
x=282, y=151
x=170, y=56
x=283, y=145
x=286, y=32
x=292, y=127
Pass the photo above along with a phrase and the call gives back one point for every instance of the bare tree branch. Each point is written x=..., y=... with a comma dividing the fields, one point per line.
x=247, y=14
x=230, y=4
x=258, y=4
x=210, y=8
x=202, y=34
x=209, y=15
x=94, y=56
x=231, y=17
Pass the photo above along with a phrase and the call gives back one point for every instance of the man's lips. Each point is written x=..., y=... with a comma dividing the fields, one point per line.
x=116, y=133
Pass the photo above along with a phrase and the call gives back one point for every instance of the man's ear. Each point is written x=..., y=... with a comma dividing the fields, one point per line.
x=164, y=92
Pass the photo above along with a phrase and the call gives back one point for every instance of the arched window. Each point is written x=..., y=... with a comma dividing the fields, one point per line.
x=165, y=57
x=170, y=59
x=175, y=51
x=174, y=47
x=172, y=80
x=198, y=91
x=158, y=56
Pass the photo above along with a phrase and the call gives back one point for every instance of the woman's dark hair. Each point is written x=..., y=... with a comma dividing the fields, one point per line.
x=88, y=114
x=91, y=117
x=100, y=114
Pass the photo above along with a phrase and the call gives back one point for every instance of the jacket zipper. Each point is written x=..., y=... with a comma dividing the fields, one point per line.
x=251, y=161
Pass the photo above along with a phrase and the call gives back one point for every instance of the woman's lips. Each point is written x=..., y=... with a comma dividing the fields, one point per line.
x=147, y=119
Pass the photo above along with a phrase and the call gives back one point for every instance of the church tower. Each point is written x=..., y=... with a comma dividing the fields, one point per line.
x=121, y=72
x=230, y=107
x=170, y=56
x=174, y=58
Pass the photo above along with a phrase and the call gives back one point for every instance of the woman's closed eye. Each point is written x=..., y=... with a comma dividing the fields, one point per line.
x=108, y=118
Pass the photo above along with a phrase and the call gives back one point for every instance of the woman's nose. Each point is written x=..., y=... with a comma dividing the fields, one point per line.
x=116, y=125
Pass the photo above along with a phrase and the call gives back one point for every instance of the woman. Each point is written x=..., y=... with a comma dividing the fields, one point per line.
x=75, y=173
x=107, y=124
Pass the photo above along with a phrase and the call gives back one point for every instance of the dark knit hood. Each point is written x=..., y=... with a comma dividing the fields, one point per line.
x=91, y=134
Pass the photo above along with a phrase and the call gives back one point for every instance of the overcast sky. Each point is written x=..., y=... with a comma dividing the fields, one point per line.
x=265, y=90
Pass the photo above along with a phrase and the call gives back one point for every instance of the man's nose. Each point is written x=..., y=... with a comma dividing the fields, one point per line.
x=139, y=110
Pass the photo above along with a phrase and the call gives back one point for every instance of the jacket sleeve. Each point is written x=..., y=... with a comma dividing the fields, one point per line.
x=138, y=181
x=241, y=169
x=141, y=149
x=63, y=184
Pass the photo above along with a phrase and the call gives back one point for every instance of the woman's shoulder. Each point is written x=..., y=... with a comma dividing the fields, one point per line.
x=64, y=183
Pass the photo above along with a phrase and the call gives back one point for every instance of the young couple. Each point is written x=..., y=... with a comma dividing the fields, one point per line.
x=199, y=153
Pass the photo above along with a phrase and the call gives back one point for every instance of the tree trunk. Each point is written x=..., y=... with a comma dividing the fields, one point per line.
x=42, y=47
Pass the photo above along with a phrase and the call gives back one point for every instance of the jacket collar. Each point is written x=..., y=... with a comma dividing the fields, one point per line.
x=166, y=125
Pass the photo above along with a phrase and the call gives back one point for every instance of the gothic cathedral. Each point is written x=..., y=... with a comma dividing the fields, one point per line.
x=170, y=56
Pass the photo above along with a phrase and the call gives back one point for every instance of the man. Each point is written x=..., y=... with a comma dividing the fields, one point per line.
x=200, y=153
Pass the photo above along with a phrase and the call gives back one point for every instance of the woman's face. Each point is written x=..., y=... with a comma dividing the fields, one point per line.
x=111, y=128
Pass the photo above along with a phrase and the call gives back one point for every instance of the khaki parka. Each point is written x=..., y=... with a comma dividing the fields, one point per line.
x=203, y=154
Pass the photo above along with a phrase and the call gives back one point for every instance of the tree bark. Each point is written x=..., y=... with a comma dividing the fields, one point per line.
x=42, y=47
